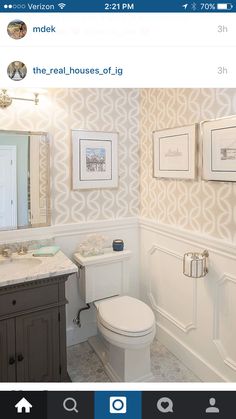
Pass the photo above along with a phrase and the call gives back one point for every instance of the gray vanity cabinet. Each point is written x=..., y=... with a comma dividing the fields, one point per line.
x=7, y=350
x=37, y=346
x=33, y=332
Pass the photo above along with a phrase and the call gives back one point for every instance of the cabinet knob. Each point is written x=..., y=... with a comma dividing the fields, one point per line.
x=20, y=358
x=12, y=360
x=13, y=302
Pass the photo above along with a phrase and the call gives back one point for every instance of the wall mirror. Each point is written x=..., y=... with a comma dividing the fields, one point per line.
x=24, y=180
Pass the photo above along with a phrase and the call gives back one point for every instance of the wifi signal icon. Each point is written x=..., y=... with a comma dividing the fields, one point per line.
x=61, y=5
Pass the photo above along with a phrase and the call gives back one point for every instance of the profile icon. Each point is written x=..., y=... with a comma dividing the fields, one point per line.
x=17, y=29
x=17, y=70
x=212, y=408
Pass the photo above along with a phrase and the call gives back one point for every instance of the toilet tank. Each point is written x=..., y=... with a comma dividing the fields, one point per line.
x=103, y=276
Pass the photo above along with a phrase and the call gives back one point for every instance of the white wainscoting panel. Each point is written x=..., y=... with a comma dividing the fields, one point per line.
x=164, y=288
x=225, y=319
x=195, y=317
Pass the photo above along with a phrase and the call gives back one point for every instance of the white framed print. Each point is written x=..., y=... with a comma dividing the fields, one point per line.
x=94, y=159
x=219, y=149
x=174, y=152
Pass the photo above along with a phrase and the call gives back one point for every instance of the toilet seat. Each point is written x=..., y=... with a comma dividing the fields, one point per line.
x=125, y=316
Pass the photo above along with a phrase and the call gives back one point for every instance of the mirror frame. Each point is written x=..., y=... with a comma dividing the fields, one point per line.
x=48, y=183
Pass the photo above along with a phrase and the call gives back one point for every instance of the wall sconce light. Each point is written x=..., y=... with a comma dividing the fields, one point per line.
x=195, y=264
x=6, y=100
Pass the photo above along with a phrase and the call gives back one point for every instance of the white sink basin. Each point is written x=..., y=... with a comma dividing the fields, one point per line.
x=9, y=267
x=23, y=268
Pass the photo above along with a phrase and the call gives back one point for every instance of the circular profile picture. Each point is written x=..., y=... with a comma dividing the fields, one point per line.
x=17, y=70
x=17, y=29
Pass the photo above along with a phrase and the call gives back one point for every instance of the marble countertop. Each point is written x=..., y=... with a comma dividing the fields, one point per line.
x=30, y=268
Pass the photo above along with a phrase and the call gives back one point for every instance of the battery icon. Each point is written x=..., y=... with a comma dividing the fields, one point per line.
x=225, y=6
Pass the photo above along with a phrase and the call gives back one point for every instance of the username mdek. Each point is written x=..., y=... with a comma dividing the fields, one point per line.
x=44, y=28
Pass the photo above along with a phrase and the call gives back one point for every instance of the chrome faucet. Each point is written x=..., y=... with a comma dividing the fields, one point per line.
x=6, y=252
x=22, y=250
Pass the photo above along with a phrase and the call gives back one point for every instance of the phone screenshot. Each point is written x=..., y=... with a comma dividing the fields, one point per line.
x=117, y=209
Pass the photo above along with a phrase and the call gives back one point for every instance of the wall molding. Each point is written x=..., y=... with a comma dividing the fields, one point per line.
x=183, y=327
x=203, y=369
x=208, y=350
x=87, y=227
x=192, y=238
x=216, y=334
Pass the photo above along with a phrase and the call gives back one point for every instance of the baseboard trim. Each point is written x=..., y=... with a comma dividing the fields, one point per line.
x=190, y=358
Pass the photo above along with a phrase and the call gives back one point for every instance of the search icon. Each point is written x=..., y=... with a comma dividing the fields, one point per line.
x=70, y=405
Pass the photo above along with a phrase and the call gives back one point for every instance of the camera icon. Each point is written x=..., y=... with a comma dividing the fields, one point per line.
x=118, y=404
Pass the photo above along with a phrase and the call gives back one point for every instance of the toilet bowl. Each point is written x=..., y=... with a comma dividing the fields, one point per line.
x=126, y=330
x=126, y=325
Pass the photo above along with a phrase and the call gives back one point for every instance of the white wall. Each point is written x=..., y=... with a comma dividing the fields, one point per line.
x=195, y=317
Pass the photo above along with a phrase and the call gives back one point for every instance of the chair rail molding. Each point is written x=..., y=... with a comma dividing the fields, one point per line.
x=192, y=238
x=60, y=230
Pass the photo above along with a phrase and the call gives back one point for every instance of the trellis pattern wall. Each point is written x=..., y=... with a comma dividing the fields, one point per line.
x=104, y=110
x=200, y=206
x=206, y=207
x=91, y=109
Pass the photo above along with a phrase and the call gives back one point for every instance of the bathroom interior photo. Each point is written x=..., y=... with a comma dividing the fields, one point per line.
x=118, y=235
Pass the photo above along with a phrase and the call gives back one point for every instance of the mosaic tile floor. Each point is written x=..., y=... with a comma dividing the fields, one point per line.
x=85, y=366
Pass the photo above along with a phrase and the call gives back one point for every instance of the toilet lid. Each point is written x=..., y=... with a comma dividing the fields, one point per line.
x=126, y=315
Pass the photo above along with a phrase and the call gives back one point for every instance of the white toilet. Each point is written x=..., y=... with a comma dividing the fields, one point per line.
x=126, y=325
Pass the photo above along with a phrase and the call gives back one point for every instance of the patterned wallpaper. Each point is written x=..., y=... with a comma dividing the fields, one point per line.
x=201, y=206
x=105, y=110
x=207, y=207
x=93, y=109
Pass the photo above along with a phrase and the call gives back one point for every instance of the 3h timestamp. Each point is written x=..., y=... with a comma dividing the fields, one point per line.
x=116, y=7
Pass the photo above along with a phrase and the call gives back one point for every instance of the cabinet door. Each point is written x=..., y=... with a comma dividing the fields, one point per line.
x=7, y=351
x=37, y=346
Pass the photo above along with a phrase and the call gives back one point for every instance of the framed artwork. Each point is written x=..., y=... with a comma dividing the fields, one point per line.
x=95, y=159
x=219, y=149
x=174, y=152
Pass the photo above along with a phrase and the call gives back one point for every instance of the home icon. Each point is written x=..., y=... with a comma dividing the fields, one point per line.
x=23, y=406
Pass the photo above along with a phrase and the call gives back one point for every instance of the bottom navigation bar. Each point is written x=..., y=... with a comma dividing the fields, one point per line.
x=128, y=404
